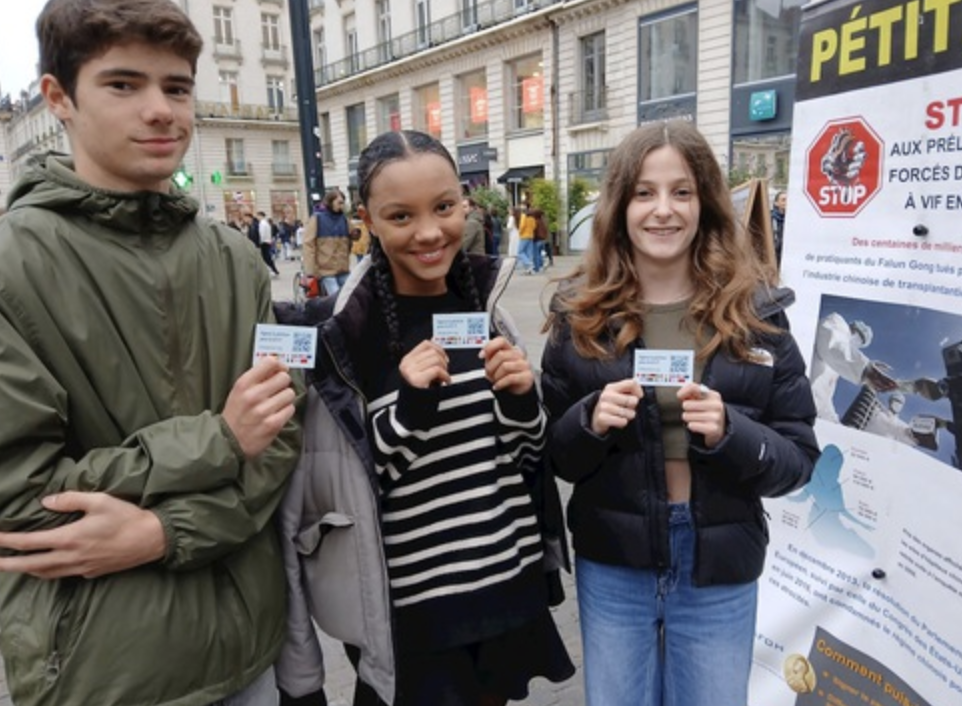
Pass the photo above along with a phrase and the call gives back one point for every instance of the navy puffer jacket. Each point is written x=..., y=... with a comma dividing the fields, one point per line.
x=618, y=512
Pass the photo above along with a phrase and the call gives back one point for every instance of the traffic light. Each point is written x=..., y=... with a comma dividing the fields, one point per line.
x=182, y=179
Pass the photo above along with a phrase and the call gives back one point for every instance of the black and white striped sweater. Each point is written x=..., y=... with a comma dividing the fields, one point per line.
x=461, y=536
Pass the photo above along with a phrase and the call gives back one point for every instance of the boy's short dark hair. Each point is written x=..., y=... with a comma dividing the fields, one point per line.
x=72, y=32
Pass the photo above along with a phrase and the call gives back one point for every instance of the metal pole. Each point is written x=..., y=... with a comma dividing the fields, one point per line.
x=306, y=100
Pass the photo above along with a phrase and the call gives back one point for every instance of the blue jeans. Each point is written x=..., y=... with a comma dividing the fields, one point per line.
x=332, y=283
x=261, y=692
x=650, y=637
x=526, y=253
x=536, y=253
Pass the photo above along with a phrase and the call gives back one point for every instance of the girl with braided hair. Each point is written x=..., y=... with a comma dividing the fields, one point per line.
x=410, y=529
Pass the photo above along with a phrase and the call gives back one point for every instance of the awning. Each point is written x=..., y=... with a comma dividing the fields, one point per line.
x=516, y=175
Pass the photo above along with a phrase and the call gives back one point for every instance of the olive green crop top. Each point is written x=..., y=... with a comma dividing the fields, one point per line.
x=664, y=330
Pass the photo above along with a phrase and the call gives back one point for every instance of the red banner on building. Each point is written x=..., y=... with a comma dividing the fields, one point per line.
x=532, y=94
x=434, y=118
x=478, y=97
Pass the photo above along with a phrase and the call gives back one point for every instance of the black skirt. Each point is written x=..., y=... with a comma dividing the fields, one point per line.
x=502, y=665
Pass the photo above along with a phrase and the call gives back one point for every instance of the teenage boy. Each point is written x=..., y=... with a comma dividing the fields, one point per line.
x=141, y=456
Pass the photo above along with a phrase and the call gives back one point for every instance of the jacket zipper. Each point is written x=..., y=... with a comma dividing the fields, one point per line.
x=340, y=372
x=173, y=337
x=51, y=666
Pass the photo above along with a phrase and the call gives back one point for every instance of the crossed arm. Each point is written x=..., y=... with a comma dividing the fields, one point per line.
x=132, y=506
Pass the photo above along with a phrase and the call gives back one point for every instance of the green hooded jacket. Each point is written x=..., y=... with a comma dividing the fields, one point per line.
x=124, y=321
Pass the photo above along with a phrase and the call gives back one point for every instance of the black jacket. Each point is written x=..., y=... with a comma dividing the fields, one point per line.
x=342, y=321
x=618, y=512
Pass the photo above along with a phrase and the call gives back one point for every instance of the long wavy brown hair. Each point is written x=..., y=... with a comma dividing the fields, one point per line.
x=605, y=301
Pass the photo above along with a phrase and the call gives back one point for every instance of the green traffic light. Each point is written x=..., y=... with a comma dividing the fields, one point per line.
x=182, y=179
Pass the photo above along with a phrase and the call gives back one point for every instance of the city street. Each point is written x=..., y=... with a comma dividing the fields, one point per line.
x=527, y=298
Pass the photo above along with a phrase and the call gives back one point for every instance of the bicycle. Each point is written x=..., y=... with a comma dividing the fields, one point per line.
x=305, y=287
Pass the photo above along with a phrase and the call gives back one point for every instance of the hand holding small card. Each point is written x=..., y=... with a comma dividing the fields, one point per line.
x=294, y=346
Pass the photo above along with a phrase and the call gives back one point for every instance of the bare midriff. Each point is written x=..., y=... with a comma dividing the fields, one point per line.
x=678, y=479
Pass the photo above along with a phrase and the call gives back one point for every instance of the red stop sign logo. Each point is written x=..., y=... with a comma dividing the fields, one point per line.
x=843, y=168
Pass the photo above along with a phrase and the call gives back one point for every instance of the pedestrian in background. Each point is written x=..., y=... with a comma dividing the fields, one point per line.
x=298, y=234
x=360, y=239
x=410, y=529
x=542, y=241
x=473, y=241
x=514, y=218
x=265, y=229
x=496, y=231
x=142, y=456
x=252, y=229
x=778, y=223
x=327, y=243
x=666, y=514
x=526, y=243
x=285, y=233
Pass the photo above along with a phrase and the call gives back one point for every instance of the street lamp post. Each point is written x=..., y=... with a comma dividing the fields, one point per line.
x=306, y=100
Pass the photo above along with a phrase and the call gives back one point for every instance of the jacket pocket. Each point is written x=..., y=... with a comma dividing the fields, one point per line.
x=329, y=557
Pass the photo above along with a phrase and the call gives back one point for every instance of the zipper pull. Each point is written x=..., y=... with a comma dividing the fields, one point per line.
x=51, y=670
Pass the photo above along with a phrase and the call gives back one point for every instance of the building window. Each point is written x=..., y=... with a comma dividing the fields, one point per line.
x=281, y=158
x=427, y=109
x=469, y=14
x=275, y=93
x=423, y=11
x=526, y=105
x=236, y=163
x=762, y=156
x=350, y=41
x=389, y=113
x=589, y=105
x=356, y=130
x=223, y=25
x=766, y=40
x=320, y=54
x=270, y=32
x=472, y=114
x=383, y=10
x=669, y=56
x=229, y=90
x=520, y=6
x=327, y=149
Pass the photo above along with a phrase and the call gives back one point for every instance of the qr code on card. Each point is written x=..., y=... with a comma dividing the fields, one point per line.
x=302, y=342
x=679, y=364
x=477, y=326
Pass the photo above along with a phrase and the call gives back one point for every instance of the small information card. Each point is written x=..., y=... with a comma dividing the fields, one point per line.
x=461, y=330
x=668, y=368
x=294, y=346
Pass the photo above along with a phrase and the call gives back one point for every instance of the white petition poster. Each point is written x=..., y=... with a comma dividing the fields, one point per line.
x=861, y=600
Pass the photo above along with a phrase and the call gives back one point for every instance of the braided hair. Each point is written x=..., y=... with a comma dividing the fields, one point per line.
x=384, y=149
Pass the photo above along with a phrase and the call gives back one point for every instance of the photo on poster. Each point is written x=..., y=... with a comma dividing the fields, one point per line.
x=833, y=518
x=889, y=369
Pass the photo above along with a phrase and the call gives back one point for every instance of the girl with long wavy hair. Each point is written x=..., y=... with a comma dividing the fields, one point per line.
x=666, y=514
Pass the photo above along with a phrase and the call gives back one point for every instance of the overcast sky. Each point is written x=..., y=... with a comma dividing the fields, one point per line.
x=18, y=44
